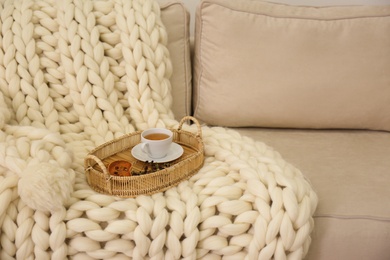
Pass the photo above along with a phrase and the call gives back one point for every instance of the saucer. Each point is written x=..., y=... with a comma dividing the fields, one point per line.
x=175, y=151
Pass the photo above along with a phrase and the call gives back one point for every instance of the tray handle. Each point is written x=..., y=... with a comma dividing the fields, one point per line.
x=98, y=161
x=191, y=118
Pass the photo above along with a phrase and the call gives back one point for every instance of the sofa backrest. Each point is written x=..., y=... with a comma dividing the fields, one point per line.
x=191, y=5
x=352, y=109
x=263, y=64
x=176, y=19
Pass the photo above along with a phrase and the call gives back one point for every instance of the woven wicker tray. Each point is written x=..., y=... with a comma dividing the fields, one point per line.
x=97, y=161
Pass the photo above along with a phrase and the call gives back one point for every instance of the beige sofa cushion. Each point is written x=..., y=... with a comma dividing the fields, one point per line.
x=274, y=65
x=350, y=172
x=176, y=20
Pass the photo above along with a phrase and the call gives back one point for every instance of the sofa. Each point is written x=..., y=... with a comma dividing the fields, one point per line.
x=292, y=102
x=254, y=65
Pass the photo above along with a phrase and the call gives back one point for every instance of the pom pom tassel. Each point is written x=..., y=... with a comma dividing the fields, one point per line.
x=46, y=186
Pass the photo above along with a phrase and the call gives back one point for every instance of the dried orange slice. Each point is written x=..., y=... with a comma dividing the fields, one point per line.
x=120, y=168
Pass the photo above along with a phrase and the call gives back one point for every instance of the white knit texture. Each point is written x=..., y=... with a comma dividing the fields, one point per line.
x=77, y=73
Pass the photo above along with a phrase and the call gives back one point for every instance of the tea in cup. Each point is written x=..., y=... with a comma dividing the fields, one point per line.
x=156, y=142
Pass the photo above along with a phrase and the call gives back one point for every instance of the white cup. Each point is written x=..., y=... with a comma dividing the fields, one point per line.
x=155, y=142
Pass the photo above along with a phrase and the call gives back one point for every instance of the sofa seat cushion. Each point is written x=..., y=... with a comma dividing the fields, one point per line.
x=350, y=171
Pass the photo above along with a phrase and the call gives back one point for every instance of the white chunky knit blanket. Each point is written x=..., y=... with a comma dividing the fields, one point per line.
x=77, y=73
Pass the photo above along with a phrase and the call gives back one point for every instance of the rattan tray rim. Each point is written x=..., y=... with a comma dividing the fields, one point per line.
x=102, y=181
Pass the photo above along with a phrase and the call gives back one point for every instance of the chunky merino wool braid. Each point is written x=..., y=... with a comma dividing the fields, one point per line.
x=77, y=73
